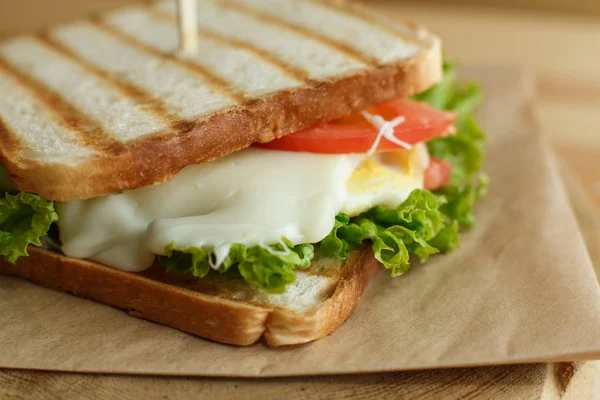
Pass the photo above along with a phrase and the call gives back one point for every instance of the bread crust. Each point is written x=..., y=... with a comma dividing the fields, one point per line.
x=207, y=315
x=287, y=327
x=145, y=161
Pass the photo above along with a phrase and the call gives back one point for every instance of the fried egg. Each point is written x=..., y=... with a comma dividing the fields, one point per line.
x=253, y=196
x=385, y=179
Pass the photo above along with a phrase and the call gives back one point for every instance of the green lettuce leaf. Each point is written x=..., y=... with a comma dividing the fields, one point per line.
x=338, y=245
x=459, y=201
x=439, y=96
x=425, y=224
x=24, y=219
x=268, y=268
x=465, y=149
x=451, y=95
x=416, y=227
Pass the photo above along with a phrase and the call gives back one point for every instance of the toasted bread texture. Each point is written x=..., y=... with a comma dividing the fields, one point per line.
x=219, y=307
x=108, y=104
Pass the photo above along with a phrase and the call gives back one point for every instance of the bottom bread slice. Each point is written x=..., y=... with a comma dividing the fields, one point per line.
x=218, y=307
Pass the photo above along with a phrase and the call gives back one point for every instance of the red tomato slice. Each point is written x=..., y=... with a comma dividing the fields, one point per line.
x=437, y=173
x=353, y=134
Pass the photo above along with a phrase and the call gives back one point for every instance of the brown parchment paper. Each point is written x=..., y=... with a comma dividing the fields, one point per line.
x=520, y=289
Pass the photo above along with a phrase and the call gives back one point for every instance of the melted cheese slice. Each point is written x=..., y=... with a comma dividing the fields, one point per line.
x=253, y=197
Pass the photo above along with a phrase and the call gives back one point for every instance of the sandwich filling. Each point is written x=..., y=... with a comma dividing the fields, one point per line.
x=401, y=177
x=253, y=197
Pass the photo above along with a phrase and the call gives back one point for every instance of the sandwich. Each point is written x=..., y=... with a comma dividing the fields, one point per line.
x=247, y=191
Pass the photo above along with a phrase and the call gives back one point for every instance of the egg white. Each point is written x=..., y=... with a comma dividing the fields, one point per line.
x=253, y=197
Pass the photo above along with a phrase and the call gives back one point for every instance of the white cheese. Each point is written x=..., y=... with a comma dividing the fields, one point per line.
x=253, y=197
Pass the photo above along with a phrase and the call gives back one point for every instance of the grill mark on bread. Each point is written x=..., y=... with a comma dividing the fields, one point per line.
x=359, y=12
x=147, y=102
x=272, y=116
x=95, y=138
x=10, y=143
x=296, y=73
x=9, y=149
x=246, y=71
x=220, y=85
x=346, y=50
x=293, y=72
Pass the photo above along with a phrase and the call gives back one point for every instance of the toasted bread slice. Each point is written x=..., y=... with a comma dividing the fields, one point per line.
x=218, y=307
x=108, y=104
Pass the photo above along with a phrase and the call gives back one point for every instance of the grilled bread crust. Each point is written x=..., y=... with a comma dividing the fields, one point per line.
x=117, y=125
x=218, y=310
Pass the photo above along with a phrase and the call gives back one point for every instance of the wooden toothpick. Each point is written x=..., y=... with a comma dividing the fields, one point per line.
x=188, y=27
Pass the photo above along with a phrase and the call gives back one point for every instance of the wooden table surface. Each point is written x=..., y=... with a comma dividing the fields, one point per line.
x=564, y=53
